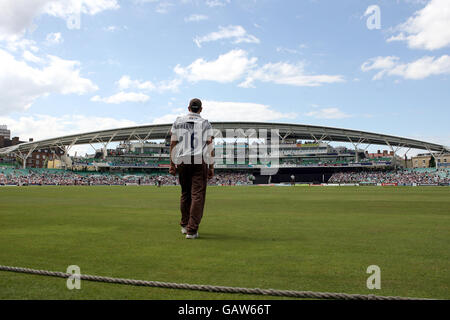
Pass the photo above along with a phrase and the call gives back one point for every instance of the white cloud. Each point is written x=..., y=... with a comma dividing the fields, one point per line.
x=238, y=33
x=380, y=63
x=168, y=85
x=16, y=43
x=126, y=83
x=399, y=37
x=443, y=139
x=196, y=18
x=416, y=70
x=428, y=29
x=217, y=3
x=122, y=97
x=66, y=8
x=21, y=84
x=227, y=68
x=236, y=65
x=232, y=111
x=163, y=7
x=416, y=2
x=328, y=113
x=54, y=38
x=288, y=74
x=297, y=50
x=41, y=127
x=168, y=118
x=28, y=56
x=111, y=28
x=144, y=1
x=18, y=15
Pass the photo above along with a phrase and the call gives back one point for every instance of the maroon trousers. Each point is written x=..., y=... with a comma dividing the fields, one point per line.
x=193, y=180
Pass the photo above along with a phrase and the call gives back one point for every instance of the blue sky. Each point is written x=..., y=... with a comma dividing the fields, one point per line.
x=132, y=62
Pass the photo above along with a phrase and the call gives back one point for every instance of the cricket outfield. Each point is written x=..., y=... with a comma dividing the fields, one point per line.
x=302, y=238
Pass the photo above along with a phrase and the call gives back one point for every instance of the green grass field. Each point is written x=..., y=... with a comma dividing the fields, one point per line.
x=317, y=239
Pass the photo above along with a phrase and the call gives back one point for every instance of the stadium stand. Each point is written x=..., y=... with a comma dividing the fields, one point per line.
x=20, y=177
x=407, y=177
x=428, y=176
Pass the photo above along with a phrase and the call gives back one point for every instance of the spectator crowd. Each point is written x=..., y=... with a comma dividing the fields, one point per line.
x=230, y=179
x=400, y=177
x=60, y=177
x=36, y=177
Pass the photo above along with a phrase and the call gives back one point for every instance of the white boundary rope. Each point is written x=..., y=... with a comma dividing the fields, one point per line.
x=209, y=288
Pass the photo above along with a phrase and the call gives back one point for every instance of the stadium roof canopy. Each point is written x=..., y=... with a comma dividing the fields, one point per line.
x=293, y=131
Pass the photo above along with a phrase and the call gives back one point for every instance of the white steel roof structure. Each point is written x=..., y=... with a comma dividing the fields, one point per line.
x=292, y=131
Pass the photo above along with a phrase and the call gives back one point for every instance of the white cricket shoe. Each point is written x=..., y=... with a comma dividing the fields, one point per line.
x=183, y=230
x=192, y=236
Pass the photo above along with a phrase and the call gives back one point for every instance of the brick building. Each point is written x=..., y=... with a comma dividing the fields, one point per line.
x=4, y=132
x=38, y=159
x=6, y=141
x=443, y=161
x=379, y=154
x=423, y=161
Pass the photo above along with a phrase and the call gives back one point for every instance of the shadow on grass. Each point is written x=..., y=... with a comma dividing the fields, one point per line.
x=240, y=237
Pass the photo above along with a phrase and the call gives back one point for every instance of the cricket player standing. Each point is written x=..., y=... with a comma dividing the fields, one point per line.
x=192, y=157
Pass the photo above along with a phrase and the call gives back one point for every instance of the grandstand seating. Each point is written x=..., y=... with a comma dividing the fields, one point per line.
x=61, y=177
x=428, y=176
